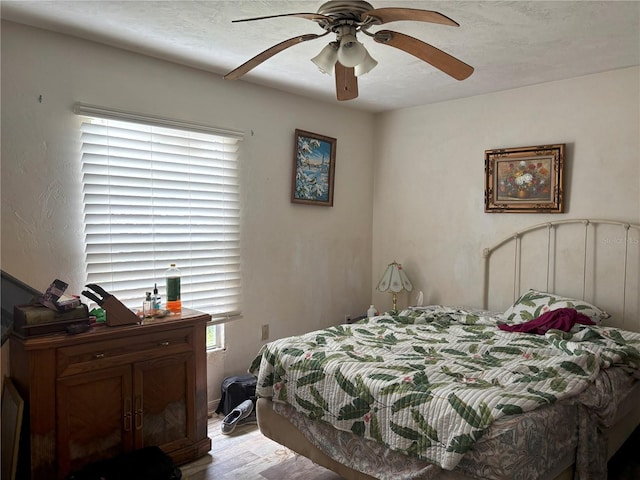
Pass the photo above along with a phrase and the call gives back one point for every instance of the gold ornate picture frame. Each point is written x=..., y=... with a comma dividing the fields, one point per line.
x=524, y=179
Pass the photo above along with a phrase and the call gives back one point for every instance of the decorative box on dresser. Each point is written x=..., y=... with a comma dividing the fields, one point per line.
x=111, y=390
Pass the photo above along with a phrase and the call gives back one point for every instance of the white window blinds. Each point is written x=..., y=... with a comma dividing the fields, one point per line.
x=155, y=195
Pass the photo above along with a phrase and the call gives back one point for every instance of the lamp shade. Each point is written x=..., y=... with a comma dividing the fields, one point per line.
x=394, y=279
x=367, y=64
x=327, y=58
x=351, y=51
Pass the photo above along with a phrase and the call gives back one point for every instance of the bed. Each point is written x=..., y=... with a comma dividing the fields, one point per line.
x=445, y=392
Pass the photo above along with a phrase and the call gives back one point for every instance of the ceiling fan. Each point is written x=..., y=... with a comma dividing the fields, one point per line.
x=346, y=57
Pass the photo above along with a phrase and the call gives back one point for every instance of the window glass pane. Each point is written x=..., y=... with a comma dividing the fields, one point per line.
x=214, y=337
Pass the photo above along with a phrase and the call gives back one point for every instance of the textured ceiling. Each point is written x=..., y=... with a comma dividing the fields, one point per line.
x=510, y=43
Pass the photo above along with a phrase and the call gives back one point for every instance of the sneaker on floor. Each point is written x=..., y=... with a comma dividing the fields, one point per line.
x=230, y=422
x=251, y=419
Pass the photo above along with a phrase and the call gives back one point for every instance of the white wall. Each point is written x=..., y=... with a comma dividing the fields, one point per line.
x=429, y=175
x=304, y=267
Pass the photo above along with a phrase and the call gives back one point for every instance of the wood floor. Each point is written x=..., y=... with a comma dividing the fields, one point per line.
x=248, y=455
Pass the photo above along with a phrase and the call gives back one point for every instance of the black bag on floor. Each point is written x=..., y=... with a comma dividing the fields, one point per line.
x=235, y=390
x=148, y=463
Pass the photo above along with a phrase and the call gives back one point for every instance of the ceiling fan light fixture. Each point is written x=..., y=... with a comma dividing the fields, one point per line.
x=326, y=59
x=351, y=51
x=346, y=58
x=368, y=64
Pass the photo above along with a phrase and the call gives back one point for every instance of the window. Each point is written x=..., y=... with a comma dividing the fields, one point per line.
x=157, y=192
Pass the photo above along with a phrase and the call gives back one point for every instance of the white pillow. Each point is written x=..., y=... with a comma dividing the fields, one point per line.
x=533, y=303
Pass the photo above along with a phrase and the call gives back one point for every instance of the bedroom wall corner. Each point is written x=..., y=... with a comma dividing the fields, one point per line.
x=429, y=174
x=304, y=267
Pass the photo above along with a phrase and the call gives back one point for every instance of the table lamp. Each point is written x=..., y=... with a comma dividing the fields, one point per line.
x=394, y=280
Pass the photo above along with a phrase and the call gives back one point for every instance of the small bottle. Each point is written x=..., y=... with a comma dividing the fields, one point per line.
x=174, y=303
x=156, y=300
x=371, y=312
x=147, y=305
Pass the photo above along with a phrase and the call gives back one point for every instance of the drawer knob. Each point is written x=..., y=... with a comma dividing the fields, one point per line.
x=164, y=344
x=98, y=356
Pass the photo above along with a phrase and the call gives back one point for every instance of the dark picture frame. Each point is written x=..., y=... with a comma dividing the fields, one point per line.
x=524, y=179
x=314, y=160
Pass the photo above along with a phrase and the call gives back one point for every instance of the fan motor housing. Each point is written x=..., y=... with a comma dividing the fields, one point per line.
x=341, y=10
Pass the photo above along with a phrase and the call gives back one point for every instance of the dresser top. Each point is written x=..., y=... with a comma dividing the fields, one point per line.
x=186, y=318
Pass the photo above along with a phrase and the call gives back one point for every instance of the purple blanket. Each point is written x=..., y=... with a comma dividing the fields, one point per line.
x=560, y=319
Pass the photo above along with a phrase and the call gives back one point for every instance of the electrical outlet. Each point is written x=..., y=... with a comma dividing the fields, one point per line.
x=265, y=332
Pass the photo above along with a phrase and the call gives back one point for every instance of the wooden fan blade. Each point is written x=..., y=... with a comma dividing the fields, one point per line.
x=386, y=15
x=268, y=53
x=308, y=16
x=346, y=82
x=439, y=59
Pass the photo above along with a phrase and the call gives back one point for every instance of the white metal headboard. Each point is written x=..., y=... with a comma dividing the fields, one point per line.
x=595, y=260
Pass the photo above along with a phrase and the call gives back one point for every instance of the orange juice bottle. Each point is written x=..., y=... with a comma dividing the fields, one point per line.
x=173, y=289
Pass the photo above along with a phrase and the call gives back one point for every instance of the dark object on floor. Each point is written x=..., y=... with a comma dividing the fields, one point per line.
x=235, y=390
x=625, y=464
x=149, y=463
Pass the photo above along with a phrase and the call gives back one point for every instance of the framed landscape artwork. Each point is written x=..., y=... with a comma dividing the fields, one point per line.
x=313, y=169
x=524, y=179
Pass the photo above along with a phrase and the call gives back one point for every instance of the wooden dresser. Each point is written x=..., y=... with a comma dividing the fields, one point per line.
x=94, y=395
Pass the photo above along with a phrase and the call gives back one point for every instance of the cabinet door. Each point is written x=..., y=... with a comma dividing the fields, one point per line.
x=94, y=417
x=164, y=402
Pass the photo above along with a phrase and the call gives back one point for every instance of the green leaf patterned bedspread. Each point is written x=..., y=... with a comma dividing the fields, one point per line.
x=428, y=383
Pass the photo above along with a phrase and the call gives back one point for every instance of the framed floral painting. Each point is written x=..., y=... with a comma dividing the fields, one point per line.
x=524, y=179
x=314, y=162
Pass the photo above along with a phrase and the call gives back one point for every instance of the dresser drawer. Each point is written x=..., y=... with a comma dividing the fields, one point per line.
x=90, y=356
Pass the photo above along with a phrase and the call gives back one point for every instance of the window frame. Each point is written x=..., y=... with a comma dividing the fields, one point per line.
x=228, y=205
